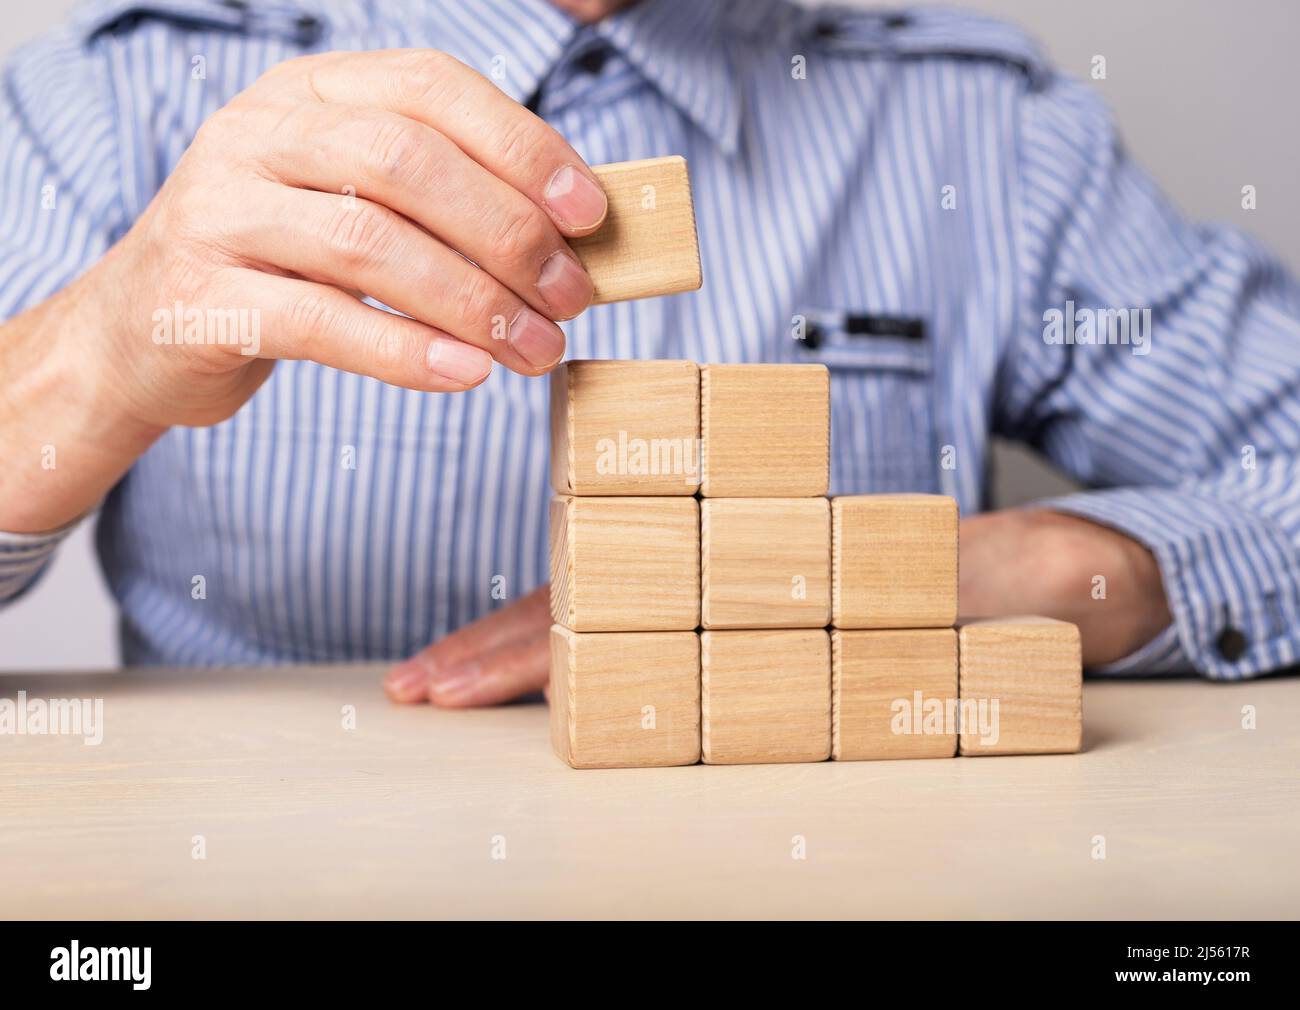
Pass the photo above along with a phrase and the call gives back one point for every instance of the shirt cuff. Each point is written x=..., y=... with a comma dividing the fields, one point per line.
x=1231, y=577
x=1162, y=655
x=23, y=557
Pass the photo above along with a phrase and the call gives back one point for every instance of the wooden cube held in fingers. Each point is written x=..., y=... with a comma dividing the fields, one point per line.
x=1021, y=686
x=625, y=564
x=766, y=431
x=893, y=694
x=765, y=696
x=625, y=428
x=766, y=562
x=625, y=699
x=647, y=245
x=894, y=561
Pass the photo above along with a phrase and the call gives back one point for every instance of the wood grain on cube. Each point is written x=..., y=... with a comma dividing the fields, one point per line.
x=625, y=428
x=647, y=245
x=894, y=561
x=766, y=562
x=893, y=694
x=625, y=699
x=765, y=696
x=766, y=431
x=1031, y=667
x=625, y=564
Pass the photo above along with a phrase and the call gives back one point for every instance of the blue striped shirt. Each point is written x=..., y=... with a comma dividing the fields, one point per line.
x=849, y=168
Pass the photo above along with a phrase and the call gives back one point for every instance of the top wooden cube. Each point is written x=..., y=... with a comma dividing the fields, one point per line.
x=765, y=431
x=625, y=428
x=647, y=245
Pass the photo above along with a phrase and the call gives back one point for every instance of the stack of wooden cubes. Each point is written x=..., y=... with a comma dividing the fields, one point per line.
x=696, y=565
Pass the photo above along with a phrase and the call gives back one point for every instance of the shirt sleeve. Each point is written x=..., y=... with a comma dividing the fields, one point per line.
x=1188, y=432
x=60, y=206
x=23, y=557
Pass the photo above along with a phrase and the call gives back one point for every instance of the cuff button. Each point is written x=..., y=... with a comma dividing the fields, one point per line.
x=1231, y=644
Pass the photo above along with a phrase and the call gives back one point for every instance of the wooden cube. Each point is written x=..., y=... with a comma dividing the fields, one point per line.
x=766, y=431
x=625, y=699
x=647, y=245
x=766, y=562
x=894, y=561
x=1021, y=686
x=893, y=694
x=765, y=696
x=625, y=428
x=625, y=564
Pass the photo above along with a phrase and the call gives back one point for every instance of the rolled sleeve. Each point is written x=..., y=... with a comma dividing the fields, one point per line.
x=1189, y=439
x=1163, y=655
x=1230, y=577
x=23, y=557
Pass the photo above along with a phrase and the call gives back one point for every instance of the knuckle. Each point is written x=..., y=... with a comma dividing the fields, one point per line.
x=396, y=150
x=296, y=75
x=282, y=119
x=390, y=347
x=295, y=66
x=186, y=214
x=519, y=238
x=519, y=142
x=184, y=206
x=358, y=234
x=308, y=315
x=217, y=131
x=424, y=75
x=478, y=300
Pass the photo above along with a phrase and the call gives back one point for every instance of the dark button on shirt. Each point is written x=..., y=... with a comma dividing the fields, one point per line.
x=1231, y=644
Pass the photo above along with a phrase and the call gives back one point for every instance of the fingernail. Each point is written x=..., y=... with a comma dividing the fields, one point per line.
x=537, y=340
x=576, y=199
x=459, y=362
x=405, y=684
x=564, y=285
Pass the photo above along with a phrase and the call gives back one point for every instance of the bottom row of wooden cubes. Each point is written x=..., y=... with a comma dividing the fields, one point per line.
x=642, y=699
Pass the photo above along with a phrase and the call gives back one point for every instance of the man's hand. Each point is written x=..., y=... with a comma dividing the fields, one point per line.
x=498, y=658
x=402, y=175
x=1012, y=562
x=1039, y=562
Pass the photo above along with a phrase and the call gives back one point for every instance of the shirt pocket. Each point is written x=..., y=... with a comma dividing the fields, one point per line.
x=882, y=401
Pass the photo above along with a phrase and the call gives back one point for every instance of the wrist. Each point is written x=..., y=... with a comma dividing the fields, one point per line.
x=65, y=422
x=1067, y=567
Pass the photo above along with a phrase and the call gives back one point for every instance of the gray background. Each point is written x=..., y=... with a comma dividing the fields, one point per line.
x=1204, y=92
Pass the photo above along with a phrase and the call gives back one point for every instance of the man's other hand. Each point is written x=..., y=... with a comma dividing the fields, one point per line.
x=498, y=658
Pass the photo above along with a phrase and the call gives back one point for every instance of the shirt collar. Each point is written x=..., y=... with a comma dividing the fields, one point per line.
x=514, y=43
x=679, y=48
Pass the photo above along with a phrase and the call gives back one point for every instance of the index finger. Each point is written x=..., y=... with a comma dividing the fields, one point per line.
x=496, y=131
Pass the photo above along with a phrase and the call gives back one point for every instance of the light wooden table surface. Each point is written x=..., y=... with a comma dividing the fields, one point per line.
x=403, y=815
